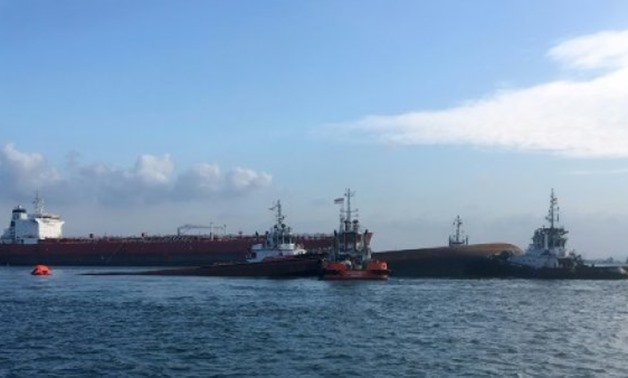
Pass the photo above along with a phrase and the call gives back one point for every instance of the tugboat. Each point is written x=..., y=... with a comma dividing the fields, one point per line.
x=547, y=256
x=350, y=257
x=457, y=239
x=279, y=242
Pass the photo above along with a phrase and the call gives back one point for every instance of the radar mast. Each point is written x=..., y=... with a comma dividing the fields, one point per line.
x=553, y=215
x=38, y=204
x=457, y=238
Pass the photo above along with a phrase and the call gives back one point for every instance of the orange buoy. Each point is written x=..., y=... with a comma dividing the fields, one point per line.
x=41, y=270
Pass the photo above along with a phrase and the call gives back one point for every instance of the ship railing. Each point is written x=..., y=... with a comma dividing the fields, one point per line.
x=177, y=238
x=312, y=236
x=152, y=238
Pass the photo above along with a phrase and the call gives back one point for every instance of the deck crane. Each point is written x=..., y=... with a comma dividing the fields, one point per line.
x=186, y=227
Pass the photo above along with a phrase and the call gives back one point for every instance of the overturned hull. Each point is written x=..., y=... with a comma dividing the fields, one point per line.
x=298, y=266
x=442, y=262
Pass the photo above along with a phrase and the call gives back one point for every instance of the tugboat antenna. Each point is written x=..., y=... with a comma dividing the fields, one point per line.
x=552, y=215
x=278, y=216
x=346, y=214
x=458, y=223
x=456, y=238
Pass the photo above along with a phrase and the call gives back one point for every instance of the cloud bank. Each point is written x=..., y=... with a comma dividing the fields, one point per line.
x=575, y=118
x=151, y=179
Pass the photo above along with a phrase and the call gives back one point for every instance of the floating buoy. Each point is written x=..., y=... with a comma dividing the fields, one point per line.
x=41, y=270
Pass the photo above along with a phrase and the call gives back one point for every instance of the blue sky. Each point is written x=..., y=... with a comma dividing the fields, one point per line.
x=140, y=116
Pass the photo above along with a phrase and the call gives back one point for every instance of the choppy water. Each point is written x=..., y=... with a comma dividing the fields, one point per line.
x=72, y=325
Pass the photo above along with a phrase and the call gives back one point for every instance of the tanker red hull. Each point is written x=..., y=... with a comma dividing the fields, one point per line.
x=152, y=251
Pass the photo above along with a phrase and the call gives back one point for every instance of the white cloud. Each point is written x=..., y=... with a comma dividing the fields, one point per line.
x=205, y=180
x=24, y=171
x=241, y=179
x=602, y=50
x=152, y=179
x=200, y=181
x=579, y=118
x=153, y=170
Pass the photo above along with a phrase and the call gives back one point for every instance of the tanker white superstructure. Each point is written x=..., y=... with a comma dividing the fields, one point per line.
x=27, y=228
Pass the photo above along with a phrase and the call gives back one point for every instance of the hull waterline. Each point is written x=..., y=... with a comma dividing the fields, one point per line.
x=301, y=266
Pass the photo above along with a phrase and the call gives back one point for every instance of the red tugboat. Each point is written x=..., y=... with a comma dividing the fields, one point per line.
x=350, y=257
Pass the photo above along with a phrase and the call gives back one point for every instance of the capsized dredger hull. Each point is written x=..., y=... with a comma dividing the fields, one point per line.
x=441, y=262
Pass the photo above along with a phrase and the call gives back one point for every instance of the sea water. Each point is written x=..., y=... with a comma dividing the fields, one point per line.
x=68, y=325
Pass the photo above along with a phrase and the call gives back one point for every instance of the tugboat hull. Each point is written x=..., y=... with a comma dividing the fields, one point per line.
x=338, y=271
x=490, y=268
x=293, y=267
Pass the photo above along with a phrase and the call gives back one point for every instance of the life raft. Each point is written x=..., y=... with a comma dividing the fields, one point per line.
x=41, y=270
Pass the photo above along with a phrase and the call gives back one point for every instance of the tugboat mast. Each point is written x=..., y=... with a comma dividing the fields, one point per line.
x=279, y=217
x=456, y=238
x=553, y=215
x=281, y=233
x=346, y=214
x=458, y=223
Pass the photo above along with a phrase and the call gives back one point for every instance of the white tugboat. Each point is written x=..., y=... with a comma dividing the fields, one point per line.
x=547, y=256
x=458, y=238
x=279, y=242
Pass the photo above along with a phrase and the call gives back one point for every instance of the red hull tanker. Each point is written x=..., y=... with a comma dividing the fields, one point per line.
x=36, y=238
x=152, y=251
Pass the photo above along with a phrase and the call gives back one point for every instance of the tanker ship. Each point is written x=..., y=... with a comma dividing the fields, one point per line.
x=37, y=238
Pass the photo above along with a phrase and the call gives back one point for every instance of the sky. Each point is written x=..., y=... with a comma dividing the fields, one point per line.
x=141, y=116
